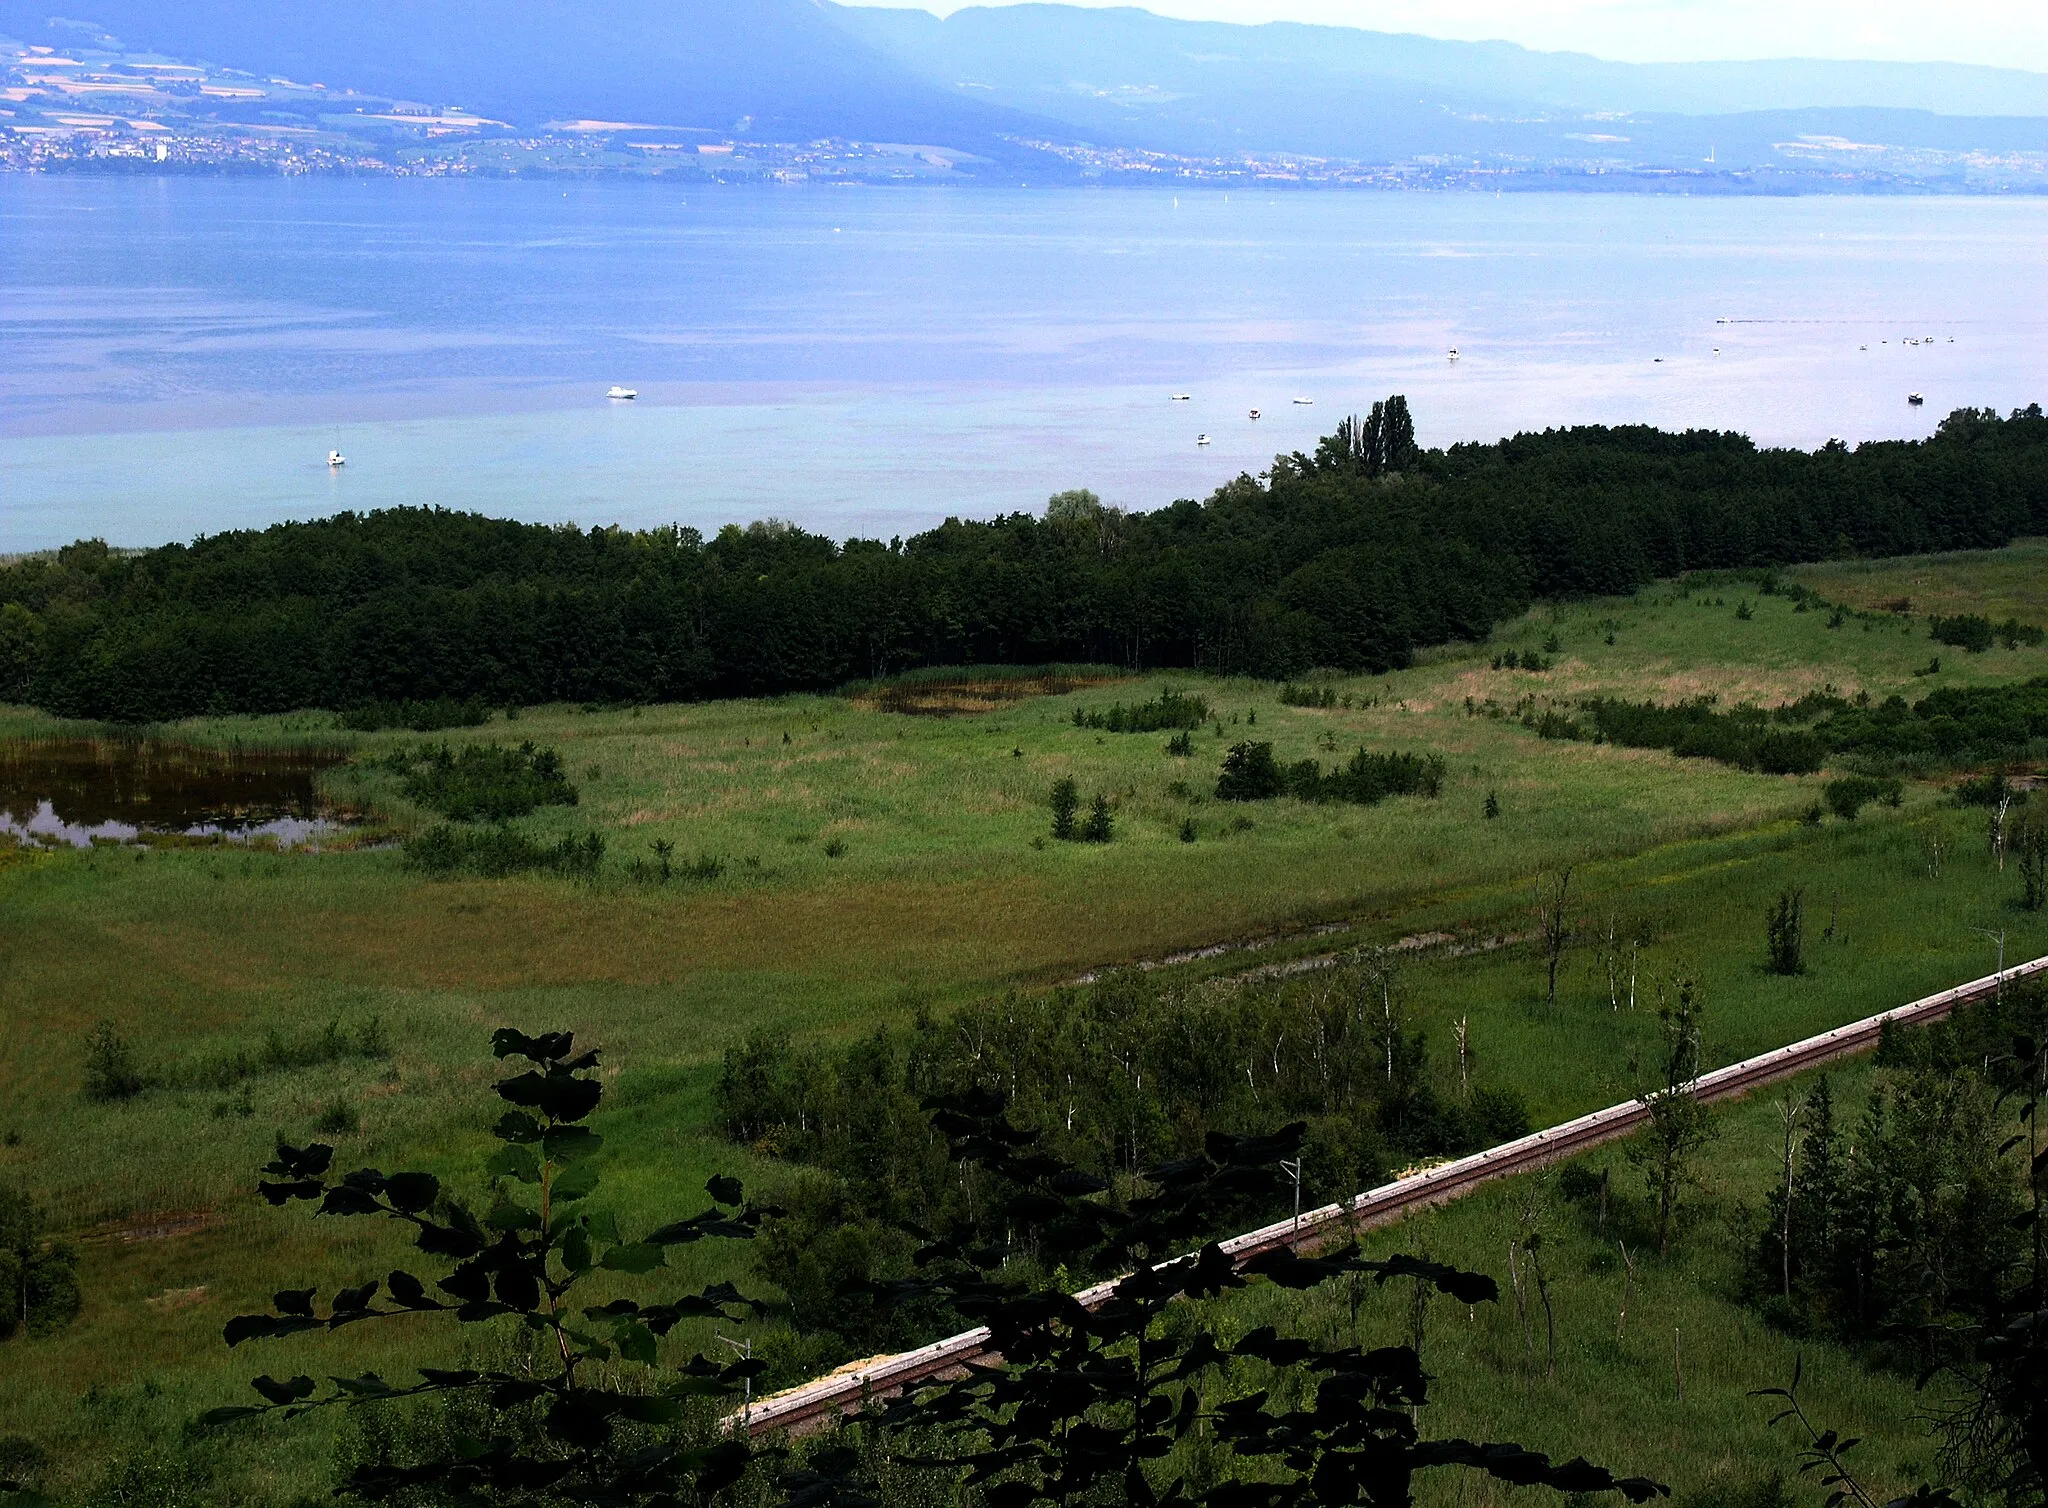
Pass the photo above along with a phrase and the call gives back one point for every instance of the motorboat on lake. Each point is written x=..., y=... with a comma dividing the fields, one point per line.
x=1182, y=397
x=336, y=460
x=1255, y=413
x=1201, y=439
x=624, y=393
x=1306, y=402
x=1915, y=399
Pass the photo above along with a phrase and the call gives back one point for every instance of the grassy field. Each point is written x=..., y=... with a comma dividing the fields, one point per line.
x=870, y=862
x=1998, y=584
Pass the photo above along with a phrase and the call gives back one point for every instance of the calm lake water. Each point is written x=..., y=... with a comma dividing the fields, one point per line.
x=178, y=357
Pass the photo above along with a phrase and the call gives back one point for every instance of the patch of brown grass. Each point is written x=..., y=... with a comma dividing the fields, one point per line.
x=968, y=696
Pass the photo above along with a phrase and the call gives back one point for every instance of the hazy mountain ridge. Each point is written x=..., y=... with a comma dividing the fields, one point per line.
x=1037, y=92
x=1038, y=53
x=764, y=67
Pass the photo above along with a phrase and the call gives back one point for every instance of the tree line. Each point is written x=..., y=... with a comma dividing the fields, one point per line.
x=1353, y=557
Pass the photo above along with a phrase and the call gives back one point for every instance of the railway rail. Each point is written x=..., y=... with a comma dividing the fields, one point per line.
x=814, y=1403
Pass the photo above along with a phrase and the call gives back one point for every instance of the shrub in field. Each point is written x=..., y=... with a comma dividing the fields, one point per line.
x=1066, y=801
x=1745, y=737
x=1100, y=826
x=1785, y=933
x=497, y=852
x=282, y=1053
x=483, y=782
x=2032, y=845
x=1968, y=632
x=1170, y=709
x=1848, y=796
x=110, y=1071
x=588, y=1414
x=1667, y=1149
x=1250, y=773
x=38, y=1276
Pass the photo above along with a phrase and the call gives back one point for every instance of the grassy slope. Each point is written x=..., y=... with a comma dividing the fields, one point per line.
x=2000, y=584
x=1615, y=1395
x=940, y=896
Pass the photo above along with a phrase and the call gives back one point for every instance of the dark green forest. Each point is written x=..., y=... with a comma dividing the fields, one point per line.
x=1353, y=557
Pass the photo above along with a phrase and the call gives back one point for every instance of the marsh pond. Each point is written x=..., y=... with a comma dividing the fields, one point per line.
x=79, y=791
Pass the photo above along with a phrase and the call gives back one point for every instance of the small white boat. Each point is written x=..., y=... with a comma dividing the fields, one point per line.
x=1201, y=439
x=1717, y=350
x=1306, y=402
x=622, y=392
x=336, y=459
x=1915, y=399
x=1182, y=397
x=1255, y=413
x=1658, y=360
x=1454, y=353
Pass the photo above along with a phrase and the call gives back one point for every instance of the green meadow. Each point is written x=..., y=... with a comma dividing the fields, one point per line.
x=838, y=865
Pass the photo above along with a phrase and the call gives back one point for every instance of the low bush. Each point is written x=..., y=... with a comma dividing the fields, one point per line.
x=110, y=1069
x=1744, y=737
x=1170, y=709
x=1977, y=634
x=1848, y=796
x=483, y=782
x=333, y=1043
x=1250, y=773
x=497, y=852
x=38, y=1276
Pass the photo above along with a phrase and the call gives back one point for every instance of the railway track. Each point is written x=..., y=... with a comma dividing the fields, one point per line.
x=811, y=1405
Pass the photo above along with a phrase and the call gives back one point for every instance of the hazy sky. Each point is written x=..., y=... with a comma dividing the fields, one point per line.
x=2011, y=33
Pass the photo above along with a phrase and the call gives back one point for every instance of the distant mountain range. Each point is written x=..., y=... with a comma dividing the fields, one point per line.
x=1007, y=83
x=774, y=69
x=1052, y=59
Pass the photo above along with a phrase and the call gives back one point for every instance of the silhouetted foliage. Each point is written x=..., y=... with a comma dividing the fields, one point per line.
x=1090, y=1399
x=588, y=1415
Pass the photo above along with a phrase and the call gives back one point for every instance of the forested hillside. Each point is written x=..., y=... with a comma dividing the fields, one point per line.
x=1353, y=557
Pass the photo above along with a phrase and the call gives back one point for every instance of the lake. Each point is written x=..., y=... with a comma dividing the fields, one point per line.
x=179, y=356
